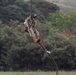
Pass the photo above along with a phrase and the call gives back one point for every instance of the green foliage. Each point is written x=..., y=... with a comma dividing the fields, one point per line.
x=62, y=38
x=10, y=40
x=63, y=20
x=17, y=50
x=20, y=9
x=49, y=7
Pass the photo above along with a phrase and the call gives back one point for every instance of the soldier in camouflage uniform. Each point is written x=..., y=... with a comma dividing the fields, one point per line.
x=30, y=27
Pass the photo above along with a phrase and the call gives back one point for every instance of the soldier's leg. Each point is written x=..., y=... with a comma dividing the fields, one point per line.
x=37, y=33
x=30, y=33
x=36, y=40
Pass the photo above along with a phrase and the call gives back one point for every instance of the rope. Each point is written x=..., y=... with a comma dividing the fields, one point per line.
x=51, y=57
x=42, y=45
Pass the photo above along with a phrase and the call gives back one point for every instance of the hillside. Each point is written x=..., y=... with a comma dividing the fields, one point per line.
x=18, y=52
x=64, y=4
x=20, y=9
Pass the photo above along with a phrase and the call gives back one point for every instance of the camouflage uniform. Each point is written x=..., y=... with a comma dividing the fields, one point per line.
x=30, y=27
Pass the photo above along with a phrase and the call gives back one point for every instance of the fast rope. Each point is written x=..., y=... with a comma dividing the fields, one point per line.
x=49, y=53
x=45, y=50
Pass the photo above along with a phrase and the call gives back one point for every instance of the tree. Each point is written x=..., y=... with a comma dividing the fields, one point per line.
x=20, y=9
x=49, y=7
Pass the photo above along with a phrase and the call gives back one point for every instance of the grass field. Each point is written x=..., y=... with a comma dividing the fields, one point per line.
x=37, y=73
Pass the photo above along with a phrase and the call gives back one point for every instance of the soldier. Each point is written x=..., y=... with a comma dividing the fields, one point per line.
x=30, y=27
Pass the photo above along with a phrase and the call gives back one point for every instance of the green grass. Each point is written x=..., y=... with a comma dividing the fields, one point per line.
x=37, y=73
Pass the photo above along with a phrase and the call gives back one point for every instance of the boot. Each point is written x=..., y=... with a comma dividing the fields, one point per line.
x=36, y=40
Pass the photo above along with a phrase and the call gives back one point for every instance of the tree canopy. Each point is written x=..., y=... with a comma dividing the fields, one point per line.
x=18, y=52
x=20, y=9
